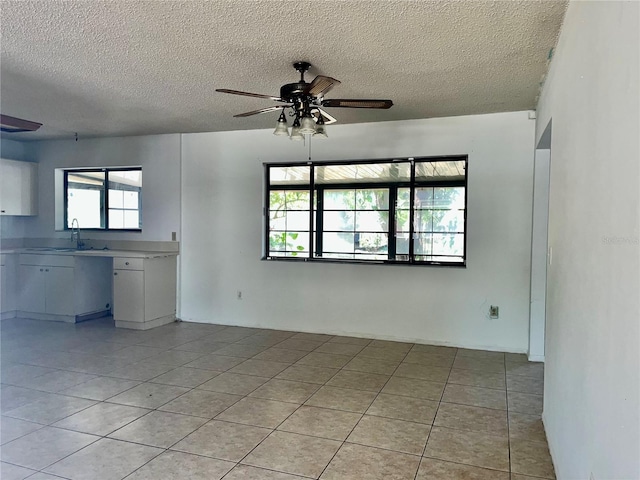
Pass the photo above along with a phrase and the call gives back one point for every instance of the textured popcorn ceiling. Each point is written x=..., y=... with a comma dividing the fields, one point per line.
x=104, y=68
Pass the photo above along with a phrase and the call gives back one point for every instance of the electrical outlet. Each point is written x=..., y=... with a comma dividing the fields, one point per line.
x=493, y=311
x=239, y=294
x=173, y=236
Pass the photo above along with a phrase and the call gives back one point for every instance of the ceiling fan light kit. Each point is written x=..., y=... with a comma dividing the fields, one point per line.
x=305, y=101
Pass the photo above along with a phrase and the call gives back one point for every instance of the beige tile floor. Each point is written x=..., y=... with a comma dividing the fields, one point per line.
x=195, y=401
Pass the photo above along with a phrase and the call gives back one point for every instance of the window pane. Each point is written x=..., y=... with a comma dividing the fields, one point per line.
x=297, y=200
x=372, y=221
x=131, y=219
x=340, y=221
x=338, y=242
x=288, y=200
x=289, y=241
x=422, y=244
x=363, y=173
x=423, y=197
x=423, y=220
x=402, y=244
x=116, y=199
x=116, y=218
x=297, y=220
x=448, y=197
x=403, y=200
x=126, y=179
x=429, y=258
x=371, y=242
x=277, y=220
x=339, y=199
x=294, y=175
x=448, y=244
x=131, y=200
x=85, y=194
x=377, y=199
x=440, y=171
x=448, y=221
x=402, y=220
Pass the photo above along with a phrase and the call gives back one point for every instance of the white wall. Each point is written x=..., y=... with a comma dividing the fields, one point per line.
x=222, y=183
x=592, y=377
x=159, y=156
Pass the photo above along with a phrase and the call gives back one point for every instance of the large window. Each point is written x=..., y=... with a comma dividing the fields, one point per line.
x=106, y=198
x=393, y=211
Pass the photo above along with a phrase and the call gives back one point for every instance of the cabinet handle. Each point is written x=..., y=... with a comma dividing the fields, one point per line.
x=42, y=269
x=46, y=270
x=115, y=273
x=126, y=263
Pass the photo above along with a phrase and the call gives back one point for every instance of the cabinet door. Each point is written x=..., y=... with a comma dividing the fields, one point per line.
x=32, y=290
x=7, y=289
x=59, y=291
x=17, y=188
x=128, y=295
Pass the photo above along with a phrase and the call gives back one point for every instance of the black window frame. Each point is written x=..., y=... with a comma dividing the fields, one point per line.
x=104, y=200
x=315, y=229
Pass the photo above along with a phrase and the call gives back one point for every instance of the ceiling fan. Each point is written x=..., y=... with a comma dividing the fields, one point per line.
x=305, y=102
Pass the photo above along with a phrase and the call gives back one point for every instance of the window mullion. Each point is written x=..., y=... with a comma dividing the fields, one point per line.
x=391, y=242
x=267, y=212
x=311, y=191
x=106, y=200
x=411, y=212
x=319, y=220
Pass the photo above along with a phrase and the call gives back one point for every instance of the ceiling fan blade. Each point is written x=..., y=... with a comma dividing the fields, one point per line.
x=14, y=125
x=320, y=86
x=262, y=110
x=328, y=119
x=248, y=94
x=354, y=103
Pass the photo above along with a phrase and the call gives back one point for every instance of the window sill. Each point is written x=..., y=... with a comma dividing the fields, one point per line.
x=361, y=262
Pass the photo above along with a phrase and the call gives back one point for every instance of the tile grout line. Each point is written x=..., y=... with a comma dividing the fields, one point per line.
x=362, y=415
x=424, y=450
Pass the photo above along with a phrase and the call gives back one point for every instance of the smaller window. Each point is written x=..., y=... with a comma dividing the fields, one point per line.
x=104, y=199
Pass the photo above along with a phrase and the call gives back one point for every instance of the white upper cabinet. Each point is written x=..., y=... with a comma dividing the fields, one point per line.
x=18, y=188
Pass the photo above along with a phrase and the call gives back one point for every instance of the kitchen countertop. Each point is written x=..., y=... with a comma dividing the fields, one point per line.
x=88, y=253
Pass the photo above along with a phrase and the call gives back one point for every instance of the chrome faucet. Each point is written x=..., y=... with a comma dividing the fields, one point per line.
x=75, y=233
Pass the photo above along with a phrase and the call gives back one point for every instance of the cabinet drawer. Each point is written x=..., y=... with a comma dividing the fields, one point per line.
x=128, y=263
x=48, y=260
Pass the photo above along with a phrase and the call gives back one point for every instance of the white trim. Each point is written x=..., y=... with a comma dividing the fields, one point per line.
x=536, y=358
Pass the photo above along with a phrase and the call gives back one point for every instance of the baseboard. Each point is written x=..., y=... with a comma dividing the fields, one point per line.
x=536, y=358
x=47, y=316
x=156, y=322
x=92, y=316
x=550, y=444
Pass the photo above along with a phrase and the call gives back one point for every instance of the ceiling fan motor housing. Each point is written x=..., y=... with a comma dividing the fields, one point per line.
x=292, y=92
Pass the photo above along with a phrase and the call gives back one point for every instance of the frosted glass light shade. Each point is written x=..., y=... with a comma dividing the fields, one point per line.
x=321, y=132
x=281, y=129
x=307, y=126
x=295, y=134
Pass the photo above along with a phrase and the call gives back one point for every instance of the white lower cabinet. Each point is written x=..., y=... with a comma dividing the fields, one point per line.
x=46, y=289
x=56, y=287
x=8, y=274
x=144, y=291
